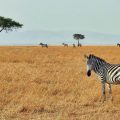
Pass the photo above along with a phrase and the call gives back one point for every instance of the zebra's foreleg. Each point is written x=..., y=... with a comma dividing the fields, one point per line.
x=103, y=92
x=110, y=91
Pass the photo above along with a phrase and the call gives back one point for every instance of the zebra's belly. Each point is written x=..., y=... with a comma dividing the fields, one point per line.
x=111, y=82
x=115, y=79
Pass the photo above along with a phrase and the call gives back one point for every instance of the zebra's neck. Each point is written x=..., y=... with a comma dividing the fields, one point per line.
x=100, y=65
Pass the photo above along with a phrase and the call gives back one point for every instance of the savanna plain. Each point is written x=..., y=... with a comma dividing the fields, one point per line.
x=51, y=84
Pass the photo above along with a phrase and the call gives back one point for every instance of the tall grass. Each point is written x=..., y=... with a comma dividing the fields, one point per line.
x=51, y=84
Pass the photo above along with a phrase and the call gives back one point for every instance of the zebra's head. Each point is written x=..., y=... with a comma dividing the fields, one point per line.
x=90, y=63
x=93, y=63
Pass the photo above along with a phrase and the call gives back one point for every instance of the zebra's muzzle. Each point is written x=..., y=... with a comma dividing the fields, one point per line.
x=88, y=73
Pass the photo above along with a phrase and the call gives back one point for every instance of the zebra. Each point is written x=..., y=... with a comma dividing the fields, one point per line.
x=65, y=44
x=108, y=73
x=44, y=45
x=74, y=46
x=79, y=45
x=118, y=45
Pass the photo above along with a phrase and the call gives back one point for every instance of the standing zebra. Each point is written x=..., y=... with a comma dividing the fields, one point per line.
x=118, y=45
x=74, y=46
x=80, y=45
x=108, y=73
x=44, y=45
x=65, y=44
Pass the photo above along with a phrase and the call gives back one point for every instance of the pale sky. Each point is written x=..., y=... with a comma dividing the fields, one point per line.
x=101, y=16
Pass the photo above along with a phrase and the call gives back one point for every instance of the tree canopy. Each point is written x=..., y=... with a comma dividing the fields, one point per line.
x=8, y=24
x=78, y=36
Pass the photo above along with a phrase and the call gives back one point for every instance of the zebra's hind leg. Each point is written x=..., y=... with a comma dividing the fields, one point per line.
x=103, y=92
x=110, y=91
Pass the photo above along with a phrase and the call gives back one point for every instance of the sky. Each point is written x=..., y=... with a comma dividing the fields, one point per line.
x=55, y=21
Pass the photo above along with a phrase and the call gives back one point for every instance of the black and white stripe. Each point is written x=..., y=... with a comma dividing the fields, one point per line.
x=108, y=73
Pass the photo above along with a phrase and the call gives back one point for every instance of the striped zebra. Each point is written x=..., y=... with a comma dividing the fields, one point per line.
x=44, y=45
x=79, y=45
x=74, y=46
x=118, y=45
x=108, y=73
x=65, y=44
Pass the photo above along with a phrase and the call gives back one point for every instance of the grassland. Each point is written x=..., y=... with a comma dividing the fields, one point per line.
x=51, y=84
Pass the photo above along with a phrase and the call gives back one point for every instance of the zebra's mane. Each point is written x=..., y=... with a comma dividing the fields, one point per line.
x=100, y=59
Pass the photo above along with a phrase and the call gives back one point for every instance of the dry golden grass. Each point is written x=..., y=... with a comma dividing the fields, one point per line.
x=51, y=84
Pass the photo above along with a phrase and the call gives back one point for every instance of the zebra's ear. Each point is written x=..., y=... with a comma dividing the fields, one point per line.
x=85, y=56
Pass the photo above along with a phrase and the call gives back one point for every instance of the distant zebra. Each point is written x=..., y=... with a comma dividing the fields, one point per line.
x=108, y=73
x=118, y=45
x=79, y=45
x=44, y=45
x=65, y=44
x=74, y=46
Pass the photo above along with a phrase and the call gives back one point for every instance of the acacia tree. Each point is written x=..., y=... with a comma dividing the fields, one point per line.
x=8, y=24
x=78, y=37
